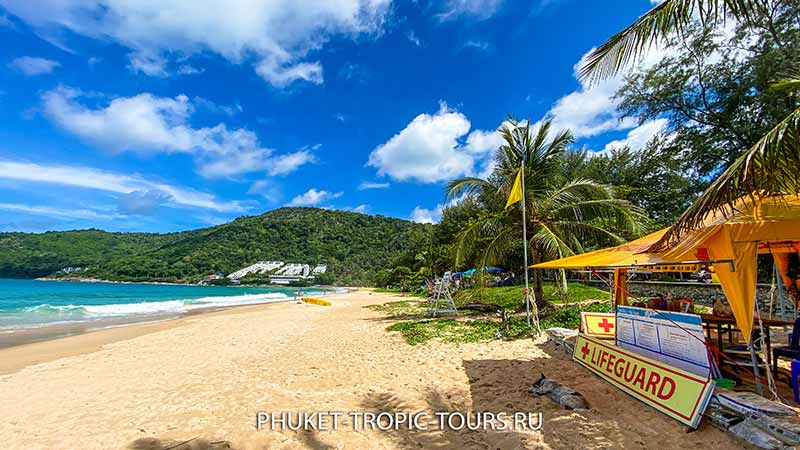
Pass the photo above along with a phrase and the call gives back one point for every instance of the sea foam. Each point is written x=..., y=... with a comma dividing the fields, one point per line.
x=45, y=314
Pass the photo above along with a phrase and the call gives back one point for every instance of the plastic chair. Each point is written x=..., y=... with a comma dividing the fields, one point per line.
x=790, y=351
x=795, y=374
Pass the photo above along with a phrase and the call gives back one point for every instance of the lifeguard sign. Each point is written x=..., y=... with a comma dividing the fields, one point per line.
x=675, y=392
x=601, y=325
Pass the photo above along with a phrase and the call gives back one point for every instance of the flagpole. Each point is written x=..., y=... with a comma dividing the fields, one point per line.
x=525, y=243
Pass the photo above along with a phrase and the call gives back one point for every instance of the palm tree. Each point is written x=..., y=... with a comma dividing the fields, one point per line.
x=769, y=167
x=561, y=217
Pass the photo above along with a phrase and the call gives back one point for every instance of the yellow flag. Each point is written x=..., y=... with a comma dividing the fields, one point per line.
x=516, y=190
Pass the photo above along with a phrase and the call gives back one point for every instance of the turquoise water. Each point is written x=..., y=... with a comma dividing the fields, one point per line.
x=33, y=303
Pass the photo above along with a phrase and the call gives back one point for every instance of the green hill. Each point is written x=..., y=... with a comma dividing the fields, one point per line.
x=353, y=245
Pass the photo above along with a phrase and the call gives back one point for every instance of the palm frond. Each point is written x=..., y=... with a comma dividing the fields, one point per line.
x=587, y=232
x=587, y=200
x=467, y=185
x=790, y=83
x=769, y=168
x=498, y=247
x=469, y=240
x=549, y=242
x=671, y=16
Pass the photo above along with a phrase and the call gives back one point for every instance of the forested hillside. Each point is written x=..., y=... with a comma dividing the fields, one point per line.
x=353, y=245
x=29, y=255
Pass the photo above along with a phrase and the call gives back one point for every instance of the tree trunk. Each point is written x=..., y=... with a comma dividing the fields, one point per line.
x=537, y=288
x=538, y=291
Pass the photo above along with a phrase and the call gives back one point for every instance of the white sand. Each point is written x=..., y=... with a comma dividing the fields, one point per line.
x=205, y=377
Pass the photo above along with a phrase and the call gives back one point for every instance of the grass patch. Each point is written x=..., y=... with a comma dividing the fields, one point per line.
x=418, y=294
x=570, y=316
x=511, y=297
x=401, y=308
x=459, y=331
x=488, y=326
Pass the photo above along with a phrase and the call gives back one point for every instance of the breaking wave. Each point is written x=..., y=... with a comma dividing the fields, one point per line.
x=46, y=314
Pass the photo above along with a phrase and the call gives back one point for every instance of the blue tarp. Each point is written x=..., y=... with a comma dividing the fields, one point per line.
x=471, y=272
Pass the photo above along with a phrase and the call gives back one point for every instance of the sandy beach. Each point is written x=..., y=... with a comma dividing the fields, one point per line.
x=202, y=379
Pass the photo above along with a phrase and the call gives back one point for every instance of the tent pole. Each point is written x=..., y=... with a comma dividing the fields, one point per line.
x=781, y=292
x=756, y=371
x=753, y=356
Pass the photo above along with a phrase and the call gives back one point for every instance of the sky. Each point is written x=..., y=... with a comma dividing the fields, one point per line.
x=172, y=115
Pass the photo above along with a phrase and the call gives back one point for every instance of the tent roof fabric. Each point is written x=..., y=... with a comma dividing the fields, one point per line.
x=735, y=236
x=768, y=220
x=773, y=219
x=624, y=255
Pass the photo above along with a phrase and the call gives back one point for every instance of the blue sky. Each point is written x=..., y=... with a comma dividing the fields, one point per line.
x=173, y=115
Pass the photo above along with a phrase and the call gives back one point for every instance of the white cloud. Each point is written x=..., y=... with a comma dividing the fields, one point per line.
x=478, y=9
x=267, y=189
x=146, y=123
x=113, y=182
x=476, y=44
x=283, y=75
x=638, y=137
x=288, y=163
x=313, y=197
x=277, y=35
x=236, y=155
x=423, y=215
x=371, y=185
x=483, y=142
x=359, y=209
x=186, y=69
x=31, y=66
x=216, y=108
x=483, y=146
x=413, y=38
x=591, y=110
x=150, y=64
x=57, y=212
x=429, y=149
x=142, y=202
x=140, y=123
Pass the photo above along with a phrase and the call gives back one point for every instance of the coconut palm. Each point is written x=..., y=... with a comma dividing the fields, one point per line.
x=561, y=216
x=770, y=166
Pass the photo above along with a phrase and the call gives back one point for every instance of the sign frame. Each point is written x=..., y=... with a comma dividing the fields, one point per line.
x=673, y=338
x=590, y=328
x=688, y=411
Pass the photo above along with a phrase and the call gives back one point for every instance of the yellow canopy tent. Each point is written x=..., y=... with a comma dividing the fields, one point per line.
x=728, y=241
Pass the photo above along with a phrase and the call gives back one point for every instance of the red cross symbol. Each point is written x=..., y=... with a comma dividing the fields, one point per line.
x=585, y=349
x=606, y=325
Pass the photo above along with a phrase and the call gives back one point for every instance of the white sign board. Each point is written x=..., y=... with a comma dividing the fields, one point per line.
x=675, y=339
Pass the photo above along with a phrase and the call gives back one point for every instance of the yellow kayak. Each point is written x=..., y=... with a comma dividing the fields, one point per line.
x=316, y=301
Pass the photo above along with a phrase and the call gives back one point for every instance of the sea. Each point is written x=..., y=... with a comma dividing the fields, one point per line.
x=27, y=304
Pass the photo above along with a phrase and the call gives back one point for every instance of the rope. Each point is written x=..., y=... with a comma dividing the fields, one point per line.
x=770, y=380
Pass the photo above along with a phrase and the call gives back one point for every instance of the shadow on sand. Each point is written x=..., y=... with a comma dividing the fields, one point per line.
x=434, y=437
x=191, y=444
x=615, y=420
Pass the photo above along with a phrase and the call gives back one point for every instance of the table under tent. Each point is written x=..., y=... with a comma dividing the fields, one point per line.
x=729, y=244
